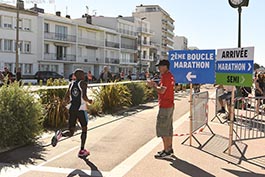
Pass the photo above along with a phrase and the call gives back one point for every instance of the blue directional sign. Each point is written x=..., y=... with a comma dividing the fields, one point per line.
x=193, y=66
x=234, y=66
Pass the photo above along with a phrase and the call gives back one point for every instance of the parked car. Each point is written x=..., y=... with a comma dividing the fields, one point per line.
x=45, y=75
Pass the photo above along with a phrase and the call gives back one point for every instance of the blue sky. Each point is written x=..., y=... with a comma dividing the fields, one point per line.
x=208, y=24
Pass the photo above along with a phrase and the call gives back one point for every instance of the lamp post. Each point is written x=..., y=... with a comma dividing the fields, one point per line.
x=239, y=4
x=140, y=53
x=19, y=5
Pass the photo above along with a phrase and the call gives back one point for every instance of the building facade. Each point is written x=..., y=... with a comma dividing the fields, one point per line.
x=29, y=52
x=180, y=43
x=162, y=25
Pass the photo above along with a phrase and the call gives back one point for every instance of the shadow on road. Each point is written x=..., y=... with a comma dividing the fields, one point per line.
x=186, y=167
x=93, y=167
x=14, y=158
x=243, y=173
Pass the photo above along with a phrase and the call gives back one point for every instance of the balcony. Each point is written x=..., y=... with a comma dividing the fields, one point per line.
x=91, y=42
x=128, y=61
x=127, y=32
x=112, y=60
x=60, y=37
x=170, y=32
x=54, y=56
x=128, y=46
x=170, y=39
x=171, y=25
x=170, y=47
x=112, y=44
x=145, y=30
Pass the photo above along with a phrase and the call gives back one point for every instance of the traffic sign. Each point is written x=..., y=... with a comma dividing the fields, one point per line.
x=193, y=66
x=235, y=66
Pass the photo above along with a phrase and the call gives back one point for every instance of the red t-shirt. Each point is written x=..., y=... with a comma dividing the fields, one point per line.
x=166, y=100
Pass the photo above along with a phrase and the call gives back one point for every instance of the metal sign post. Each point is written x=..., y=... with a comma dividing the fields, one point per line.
x=191, y=104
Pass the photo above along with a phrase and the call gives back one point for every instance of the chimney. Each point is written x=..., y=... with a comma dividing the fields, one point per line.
x=89, y=19
x=68, y=16
x=58, y=13
x=37, y=9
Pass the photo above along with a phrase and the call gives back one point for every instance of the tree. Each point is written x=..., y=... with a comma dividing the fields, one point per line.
x=256, y=66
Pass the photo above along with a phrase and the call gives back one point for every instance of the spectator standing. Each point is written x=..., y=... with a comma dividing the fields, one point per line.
x=8, y=74
x=165, y=90
x=89, y=77
x=105, y=76
x=129, y=75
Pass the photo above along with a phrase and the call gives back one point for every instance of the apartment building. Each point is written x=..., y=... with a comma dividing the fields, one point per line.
x=162, y=25
x=69, y=44
x=180, y=43
x=125, y=41
x=29, y=52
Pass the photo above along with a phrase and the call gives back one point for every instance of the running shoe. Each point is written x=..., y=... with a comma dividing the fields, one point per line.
x=56, y=137
x=83, y=153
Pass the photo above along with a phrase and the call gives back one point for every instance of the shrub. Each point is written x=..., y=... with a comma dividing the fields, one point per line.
x=20, y=116
x=150, y=94
x=56, y=114
x=137, y=91
x=112, y=97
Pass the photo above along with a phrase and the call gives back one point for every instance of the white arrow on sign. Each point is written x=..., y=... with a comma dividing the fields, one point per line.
x=243, y=79
x=189, y=76
x=249, y=67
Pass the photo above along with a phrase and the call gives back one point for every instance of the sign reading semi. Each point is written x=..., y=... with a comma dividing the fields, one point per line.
x=193, y=66
x=235, y=66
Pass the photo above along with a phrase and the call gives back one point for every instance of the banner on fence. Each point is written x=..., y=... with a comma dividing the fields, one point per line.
x=199, y=110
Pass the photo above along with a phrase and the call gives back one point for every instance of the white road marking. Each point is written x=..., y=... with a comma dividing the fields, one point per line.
x=125, y=166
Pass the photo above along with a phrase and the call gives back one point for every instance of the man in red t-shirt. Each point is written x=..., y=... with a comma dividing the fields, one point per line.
x=164, y=124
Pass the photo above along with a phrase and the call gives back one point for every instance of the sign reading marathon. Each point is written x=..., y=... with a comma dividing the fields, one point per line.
x=191, y=66
x=235, y=66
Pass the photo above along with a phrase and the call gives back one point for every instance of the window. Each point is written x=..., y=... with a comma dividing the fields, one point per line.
x=0, y=44
x=44, y=67
x=27, y=68
x=46, y=48
x=7, y=22
x=15, y=23
x=54, y=68
x=8, y=45
x=46, y=27
x=26, y=24
x=0, y=21
x=60, y=32
x=27, y=47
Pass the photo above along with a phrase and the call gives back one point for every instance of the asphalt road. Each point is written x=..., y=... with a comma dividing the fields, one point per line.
x=111, y=140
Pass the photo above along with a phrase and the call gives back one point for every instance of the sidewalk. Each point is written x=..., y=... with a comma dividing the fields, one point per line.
x=209, y=160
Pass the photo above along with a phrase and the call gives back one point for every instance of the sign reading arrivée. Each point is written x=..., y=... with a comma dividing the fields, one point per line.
x=193, y=66
x=235, y=66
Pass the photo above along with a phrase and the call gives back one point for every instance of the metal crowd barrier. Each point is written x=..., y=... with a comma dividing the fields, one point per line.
x=249, y=122
x=219, y=92
x=199, y=114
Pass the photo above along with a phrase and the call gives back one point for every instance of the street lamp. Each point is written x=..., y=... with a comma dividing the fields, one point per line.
x=239, y=4
x=140, y=53
x=20, y=5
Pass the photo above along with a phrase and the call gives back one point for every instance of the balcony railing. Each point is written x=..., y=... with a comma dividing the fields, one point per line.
x=54, y=56
x=128, y=62
x=171, y=25
x=127, y=46
x=60, y=37
x=112, y=44
x=91, y=42
x=112, y=60
x=144, y=30
x=127, y=32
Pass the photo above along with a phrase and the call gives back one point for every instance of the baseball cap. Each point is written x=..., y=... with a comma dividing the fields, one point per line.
x=163, y=63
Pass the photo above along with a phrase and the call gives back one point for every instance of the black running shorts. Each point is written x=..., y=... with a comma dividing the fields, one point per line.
x=80, y=115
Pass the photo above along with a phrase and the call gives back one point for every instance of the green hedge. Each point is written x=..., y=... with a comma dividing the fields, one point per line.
x=20, y=116
x=56, y=114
